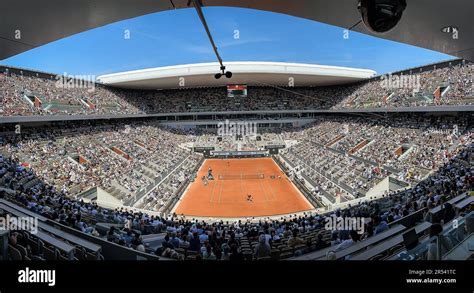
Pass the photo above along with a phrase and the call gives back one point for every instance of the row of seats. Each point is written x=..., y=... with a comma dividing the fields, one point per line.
x=30, y=95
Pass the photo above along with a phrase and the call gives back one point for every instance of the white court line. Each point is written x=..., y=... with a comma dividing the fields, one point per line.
x=221, y=185
x=244, y=194
x=272, y=191
x=262, y=187
x=263, y=191
x=282, y=176
x=241, y=185
x=213, y=189
x=220, y=192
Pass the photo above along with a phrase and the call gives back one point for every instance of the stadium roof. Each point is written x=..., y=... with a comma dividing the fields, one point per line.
x=249, y=73
x=41, y=22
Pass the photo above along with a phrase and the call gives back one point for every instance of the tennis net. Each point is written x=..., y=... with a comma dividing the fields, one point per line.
x=241, y=176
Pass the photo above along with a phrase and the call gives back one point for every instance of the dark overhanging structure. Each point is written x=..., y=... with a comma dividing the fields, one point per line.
x=27, y=24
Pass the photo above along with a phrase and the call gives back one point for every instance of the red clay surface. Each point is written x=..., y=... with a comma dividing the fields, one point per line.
x=228, y=198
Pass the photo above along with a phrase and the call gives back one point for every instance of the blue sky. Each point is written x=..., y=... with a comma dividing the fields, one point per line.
x=177, y=37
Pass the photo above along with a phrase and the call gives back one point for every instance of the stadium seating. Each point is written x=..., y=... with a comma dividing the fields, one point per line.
x=27, y=95
x=44, y=169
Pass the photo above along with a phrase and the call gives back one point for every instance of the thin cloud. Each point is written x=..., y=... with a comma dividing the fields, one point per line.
x=241, y=42
x=199, y=49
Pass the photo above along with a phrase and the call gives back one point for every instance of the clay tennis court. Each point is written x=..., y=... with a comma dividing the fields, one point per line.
x=227, y=196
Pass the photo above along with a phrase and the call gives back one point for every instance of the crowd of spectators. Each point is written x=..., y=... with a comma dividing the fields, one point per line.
x=408, y=148
x=146, y=170
x=18, y=94
x=240, y=240
x=76, y=159
x=415, y=89
x=41, y=168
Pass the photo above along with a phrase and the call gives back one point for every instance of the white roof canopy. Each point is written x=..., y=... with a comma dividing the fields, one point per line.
x=249, y=73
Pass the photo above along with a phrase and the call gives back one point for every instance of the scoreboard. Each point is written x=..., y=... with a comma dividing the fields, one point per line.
x=237, y=91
